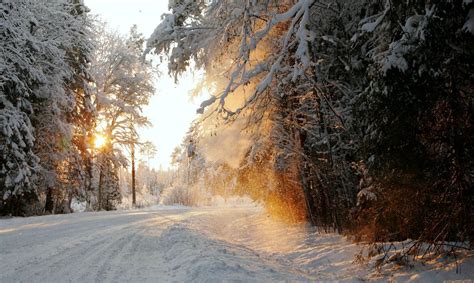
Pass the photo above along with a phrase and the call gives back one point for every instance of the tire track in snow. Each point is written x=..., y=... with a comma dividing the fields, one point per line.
x=78, y=253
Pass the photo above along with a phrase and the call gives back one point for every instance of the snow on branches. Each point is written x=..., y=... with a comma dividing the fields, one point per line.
x=200, y=33
x=40, y=61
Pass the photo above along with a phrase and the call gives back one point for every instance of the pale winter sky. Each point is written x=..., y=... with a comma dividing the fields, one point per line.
x=171, y=110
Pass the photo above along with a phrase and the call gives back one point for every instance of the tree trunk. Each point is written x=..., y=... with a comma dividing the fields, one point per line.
x=69, y=203
x=101, y=174
x=134, y=201
x=301, y=138
x=49, y=205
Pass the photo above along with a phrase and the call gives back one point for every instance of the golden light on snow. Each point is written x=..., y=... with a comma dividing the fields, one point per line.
x=99, y=141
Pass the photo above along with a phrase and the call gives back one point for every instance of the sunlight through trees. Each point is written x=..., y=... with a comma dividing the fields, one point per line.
x=359, y=113
x=70, y=107
x=354, y=116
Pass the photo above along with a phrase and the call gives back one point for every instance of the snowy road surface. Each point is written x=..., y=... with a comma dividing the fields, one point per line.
x=175, y=245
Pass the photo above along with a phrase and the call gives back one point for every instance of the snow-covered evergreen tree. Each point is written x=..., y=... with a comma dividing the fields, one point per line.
x=36, y=103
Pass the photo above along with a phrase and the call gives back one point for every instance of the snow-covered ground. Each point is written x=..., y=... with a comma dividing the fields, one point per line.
x=176, y=244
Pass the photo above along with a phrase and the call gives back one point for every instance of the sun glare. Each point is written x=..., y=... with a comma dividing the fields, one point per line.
x=99, y=141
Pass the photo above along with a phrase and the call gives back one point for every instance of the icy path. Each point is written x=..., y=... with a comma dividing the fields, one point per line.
x=175, y=245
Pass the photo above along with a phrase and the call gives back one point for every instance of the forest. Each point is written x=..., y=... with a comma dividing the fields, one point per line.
x=354, y=116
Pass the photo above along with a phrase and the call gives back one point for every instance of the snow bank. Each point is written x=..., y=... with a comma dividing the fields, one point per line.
x=203, y=259
x=320, y=256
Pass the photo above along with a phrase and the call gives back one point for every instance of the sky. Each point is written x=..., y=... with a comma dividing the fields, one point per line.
x=171, y=109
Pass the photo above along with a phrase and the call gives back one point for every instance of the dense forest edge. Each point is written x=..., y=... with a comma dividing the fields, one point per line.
x=356, y=116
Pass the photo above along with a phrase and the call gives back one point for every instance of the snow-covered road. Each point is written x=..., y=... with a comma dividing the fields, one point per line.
x=173, y=244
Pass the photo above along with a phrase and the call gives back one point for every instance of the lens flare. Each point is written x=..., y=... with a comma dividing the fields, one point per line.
x=99, y=141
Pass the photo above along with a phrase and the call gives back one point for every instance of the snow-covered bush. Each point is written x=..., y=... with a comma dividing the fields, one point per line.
x=143, y=199
x=180, y=194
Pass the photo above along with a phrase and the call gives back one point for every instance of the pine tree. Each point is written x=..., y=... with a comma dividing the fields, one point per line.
x=417, y=111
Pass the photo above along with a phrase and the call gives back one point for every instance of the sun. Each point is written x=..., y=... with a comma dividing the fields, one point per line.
x=99, y=141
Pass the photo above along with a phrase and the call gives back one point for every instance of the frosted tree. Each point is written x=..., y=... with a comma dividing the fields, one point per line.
x=79, y=168
x=35, y=102
x=123, y=85
x=63, y=107
x=17, y=136
x=359, y=103
x=272, y=48
x=416, y=117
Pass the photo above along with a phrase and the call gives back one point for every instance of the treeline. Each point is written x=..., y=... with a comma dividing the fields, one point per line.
x=71, y=95
x=149, y=185
x=361, y=112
